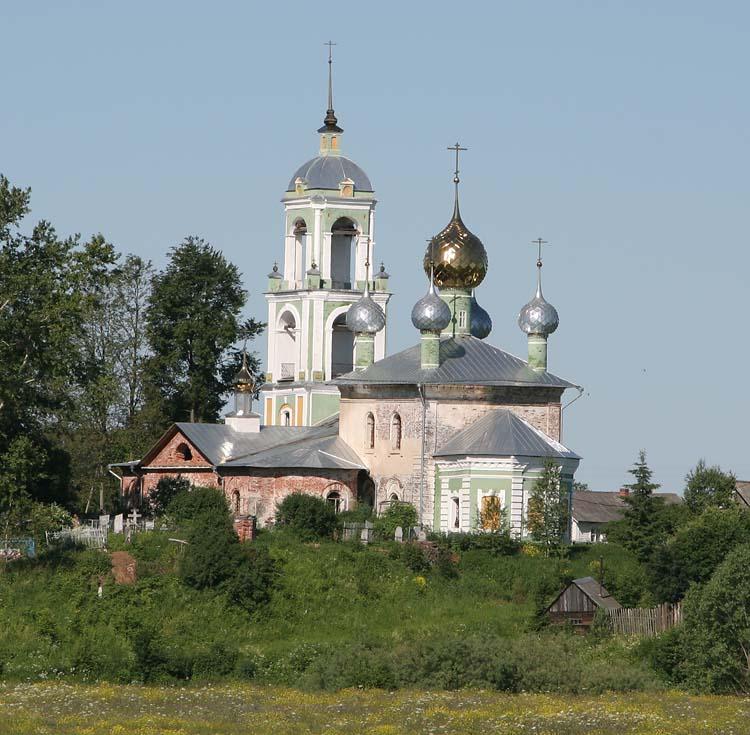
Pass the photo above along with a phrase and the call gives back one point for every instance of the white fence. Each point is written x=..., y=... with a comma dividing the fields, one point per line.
x=94, y=537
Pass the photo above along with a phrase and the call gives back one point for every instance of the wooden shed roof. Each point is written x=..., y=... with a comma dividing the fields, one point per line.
x=594, y=591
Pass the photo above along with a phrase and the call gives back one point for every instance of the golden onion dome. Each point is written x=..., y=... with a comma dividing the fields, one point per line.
x=243, y=380
x=459, y=255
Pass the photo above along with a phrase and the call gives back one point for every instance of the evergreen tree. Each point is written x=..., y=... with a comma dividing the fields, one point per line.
x=709, y=486
x=642, y=527
x=192, y=323
x=548, y=510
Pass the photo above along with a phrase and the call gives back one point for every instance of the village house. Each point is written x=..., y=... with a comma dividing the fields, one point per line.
x=593, y=510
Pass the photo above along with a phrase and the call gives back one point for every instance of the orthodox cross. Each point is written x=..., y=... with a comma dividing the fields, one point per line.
x=330, y=45
x=457, y=147
x=539, y=242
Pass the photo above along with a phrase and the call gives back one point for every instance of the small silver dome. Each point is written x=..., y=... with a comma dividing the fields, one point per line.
x=431, y=313
x=538, y=316
x=365, y=316
x=480, y=324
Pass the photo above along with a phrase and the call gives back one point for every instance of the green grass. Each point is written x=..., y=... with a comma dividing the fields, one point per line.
x=334, y=604
x=60, y=709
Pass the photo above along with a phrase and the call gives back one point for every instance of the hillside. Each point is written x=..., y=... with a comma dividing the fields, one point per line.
x=340, y=615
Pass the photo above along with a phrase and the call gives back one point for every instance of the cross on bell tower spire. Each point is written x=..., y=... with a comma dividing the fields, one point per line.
x=330, y=123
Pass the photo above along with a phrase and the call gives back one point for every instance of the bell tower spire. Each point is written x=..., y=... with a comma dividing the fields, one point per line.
x=330, y=123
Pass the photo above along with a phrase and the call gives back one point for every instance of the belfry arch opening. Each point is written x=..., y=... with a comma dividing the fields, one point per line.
x=296, y=257
x=343, y=238
x=342, y=347
x=286, y=346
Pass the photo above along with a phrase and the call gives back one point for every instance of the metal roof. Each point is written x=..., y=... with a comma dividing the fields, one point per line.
x=596, y=593
x=500, y=433
x=602, y=507
x=220, y=443
x=323, y=452
x=327, y=172
x=464, y=360
x=743, y=492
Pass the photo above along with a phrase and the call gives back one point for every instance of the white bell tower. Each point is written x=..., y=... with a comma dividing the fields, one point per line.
x=329, y=226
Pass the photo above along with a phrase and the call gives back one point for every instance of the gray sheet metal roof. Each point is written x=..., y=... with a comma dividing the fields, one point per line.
x=324, y=452
x=327, y=172
x=464, y=360
x=500, y=433
x=743, y=492
x=602, y=507
x=220, y=443
x=596, y=593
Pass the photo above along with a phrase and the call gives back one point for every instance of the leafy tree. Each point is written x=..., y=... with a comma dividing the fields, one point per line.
x=696, y=550
x=45, y=295
x=192, y=322
x=709, y=486
x=642, y=527
x=716, y=631
x=548, y=511
x=397, y=514
x=307, y=516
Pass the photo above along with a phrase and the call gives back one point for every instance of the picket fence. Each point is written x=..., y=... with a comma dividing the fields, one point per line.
x=645, y=621
x=92, y=536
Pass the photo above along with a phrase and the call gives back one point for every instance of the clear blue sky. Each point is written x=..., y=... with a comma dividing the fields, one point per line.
x=618, y=131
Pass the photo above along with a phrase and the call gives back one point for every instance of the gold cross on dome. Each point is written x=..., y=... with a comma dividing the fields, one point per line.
x=457, y=148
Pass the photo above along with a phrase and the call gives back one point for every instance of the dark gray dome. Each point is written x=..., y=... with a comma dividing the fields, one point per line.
x=365, y=316
x=431, y=313
x=480, y=324
x=327, y=172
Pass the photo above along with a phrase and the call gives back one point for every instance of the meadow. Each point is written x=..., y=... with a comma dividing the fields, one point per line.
x=61, y=709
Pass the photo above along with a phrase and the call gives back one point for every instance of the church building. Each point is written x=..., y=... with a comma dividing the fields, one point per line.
x=453, y=425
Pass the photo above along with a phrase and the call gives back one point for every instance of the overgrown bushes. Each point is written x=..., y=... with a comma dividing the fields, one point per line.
x=308, y=517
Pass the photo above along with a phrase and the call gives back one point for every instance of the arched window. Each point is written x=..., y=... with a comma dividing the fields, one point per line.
x=393, y=497
x=286, y=346
x=343, y=236
x=396, y=432
x=285, y=416
x=342, y=347
x=236, y=501
x=335, y=498
x=183, y=452
x=297, y=255
x=370, y=435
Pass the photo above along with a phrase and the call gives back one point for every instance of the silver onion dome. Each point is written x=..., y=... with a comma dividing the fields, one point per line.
x=365, y=316
x=480, y=323
x=431, y=313
x=538, y=316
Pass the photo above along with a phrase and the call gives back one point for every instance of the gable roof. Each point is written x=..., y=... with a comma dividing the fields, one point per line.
x=464, y=360
x=602, y=507
x=596, y=593
x=743, y=492
x=500, y=433
x=316, y=447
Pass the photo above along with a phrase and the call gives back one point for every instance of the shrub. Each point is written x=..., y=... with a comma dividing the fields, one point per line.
x=166, y=490
x=398, y=514
x=198, y=501
x=715, y=634
x=414, y=558
x=309, y=517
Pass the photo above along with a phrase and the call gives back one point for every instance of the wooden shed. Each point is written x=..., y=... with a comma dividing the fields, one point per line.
x=578, y=602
